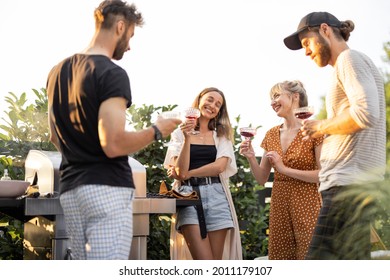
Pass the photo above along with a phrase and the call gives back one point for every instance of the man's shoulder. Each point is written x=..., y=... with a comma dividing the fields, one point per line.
x=353, y=55
x=354, y=59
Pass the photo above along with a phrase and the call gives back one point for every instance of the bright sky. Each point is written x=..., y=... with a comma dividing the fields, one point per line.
x=186, y=46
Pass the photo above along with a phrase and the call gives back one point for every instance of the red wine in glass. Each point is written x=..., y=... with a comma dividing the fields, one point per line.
x=303, y=115
x=247, y=132
x=304, y=112
x=192, y=114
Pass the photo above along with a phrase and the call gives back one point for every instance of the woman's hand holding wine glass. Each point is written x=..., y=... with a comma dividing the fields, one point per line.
x=192, y=114
x=246, y=148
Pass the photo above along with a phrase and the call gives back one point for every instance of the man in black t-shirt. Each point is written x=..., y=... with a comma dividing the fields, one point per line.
x=88, y=98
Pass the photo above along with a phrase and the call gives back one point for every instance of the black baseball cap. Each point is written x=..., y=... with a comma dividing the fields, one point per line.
x=313, y=19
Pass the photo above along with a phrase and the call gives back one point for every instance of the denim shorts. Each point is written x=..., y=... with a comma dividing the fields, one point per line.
x=215, y=206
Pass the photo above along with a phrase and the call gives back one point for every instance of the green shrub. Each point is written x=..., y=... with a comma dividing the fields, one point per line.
x=11, y=239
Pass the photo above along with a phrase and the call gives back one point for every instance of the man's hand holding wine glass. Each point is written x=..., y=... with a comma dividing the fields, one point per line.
x=312, y=128
x=166, y=125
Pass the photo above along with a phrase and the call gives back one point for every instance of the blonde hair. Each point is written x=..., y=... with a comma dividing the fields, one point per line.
x=295, y=86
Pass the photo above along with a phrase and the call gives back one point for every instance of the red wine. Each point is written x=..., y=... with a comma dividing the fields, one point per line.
x=247, y=134
x=303, y=115
x=191, y=117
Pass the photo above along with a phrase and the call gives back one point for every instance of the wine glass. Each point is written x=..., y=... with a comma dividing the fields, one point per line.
x=248, y=132
x=170, y=115
x=192, y=114
x=304, y=112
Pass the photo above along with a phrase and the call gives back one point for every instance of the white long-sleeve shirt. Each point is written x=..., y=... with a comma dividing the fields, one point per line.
x=232, y=248
x=357, y=158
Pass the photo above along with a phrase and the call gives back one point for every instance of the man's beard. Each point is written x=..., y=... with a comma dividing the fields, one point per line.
x=323, y=52
x=120, y=48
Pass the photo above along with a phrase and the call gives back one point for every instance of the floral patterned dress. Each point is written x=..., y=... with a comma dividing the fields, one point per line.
x=295, y=204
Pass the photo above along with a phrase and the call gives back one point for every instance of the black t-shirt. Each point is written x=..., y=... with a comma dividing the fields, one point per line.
x=76, y=87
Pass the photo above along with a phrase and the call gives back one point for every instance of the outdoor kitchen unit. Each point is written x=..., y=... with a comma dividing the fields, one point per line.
x=42, y=169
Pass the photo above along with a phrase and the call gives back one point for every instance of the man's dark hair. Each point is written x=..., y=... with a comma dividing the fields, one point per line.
x=109, y=10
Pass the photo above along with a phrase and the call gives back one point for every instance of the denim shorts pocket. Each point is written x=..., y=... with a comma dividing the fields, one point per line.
x=218, y=188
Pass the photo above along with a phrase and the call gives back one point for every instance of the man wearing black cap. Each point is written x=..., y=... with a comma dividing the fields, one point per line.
x=354, y=150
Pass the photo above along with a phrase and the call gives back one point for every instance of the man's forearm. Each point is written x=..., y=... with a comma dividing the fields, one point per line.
x=341, y=124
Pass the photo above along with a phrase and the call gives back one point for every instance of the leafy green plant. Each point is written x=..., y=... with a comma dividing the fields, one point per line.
x=368, y=202
x=25, y=128
x=11, y=230
x=11, y=239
